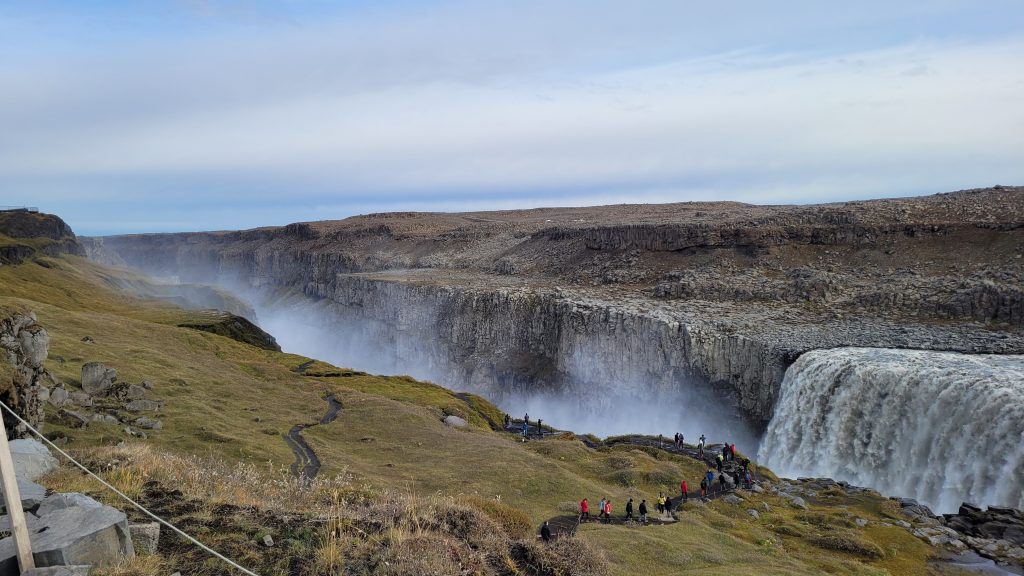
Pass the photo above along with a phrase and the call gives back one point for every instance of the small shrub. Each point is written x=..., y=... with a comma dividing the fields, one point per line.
x=513, y=521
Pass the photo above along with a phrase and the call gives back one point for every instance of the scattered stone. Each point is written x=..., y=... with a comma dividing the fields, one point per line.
x=455, y=421
x=72, y=419
x=903, y=524
x=268, y=541
x=97, y=378
x=88, y=340
x=753, y=514
x=105, y=418
x=57, y=397
x=55, y=502
x=147, y=384
x=31, y=459
x=732, y=499
x=133, y=392
x=145, y=536
x=766, y=507
x=79, y=398
x=135, y=433
x=860, y=522
x=798, y=502
x=756, y=488
x=148, y=423
x=144, y=405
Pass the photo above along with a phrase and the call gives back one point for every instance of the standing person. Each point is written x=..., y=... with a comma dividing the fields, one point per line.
x=685, y=490
x=732, y=452
x=545, y=532
x=540, y=430
x=526, y=421
x=507, y=421
x=629, y=510
x=608, y=511
x=703, y=487
x=668, y=507
x=736, y=478
x=643, y=511
x=584, y=509
x=661, y=503
x=710, y=478
x=721, y=482
x=719, y=460
x=725, y=451
x=526, y=429
x=600, y=510
x=748, y=478
x=682, y=440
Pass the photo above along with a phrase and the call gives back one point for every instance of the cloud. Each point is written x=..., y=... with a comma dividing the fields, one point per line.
x=462, y=107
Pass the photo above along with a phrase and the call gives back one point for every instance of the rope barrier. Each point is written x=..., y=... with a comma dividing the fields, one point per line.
x=123, y=495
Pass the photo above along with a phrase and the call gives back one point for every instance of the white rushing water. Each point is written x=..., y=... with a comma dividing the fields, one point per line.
x=940, y=427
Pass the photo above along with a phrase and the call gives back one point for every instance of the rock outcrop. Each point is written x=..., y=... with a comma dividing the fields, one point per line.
x=24, y=382
x=236, y=328
x=49, y=236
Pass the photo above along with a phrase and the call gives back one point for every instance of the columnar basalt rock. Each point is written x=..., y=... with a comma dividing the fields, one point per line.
x=24, y=383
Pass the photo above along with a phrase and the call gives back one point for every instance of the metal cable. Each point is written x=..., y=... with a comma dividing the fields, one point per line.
x=123, y=495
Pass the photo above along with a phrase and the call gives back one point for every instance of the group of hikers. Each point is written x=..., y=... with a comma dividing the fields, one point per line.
x=711, y=484
x=526, y=425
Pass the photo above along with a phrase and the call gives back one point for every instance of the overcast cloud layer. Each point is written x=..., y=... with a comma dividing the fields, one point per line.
x=216, y=115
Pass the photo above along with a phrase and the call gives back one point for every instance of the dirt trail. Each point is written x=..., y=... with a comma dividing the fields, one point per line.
x=307, y=464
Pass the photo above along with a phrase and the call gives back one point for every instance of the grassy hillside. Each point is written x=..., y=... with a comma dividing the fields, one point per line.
x=228, y=405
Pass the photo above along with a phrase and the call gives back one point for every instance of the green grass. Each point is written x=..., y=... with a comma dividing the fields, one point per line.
x=230, y=401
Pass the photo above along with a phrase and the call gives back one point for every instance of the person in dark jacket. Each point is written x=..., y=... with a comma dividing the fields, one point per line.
x=719, y=460
x=540, y=431
x=643, y=511
x=545, y=532
x=668, y=507
x=710, y=477
x=629, y=509
x=736, y=478
x=721, y=482
x=703, y=487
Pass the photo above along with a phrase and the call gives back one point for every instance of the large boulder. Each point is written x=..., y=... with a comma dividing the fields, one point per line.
x=55, y=502
x=97, y=378
x=74, y=536
x=32, y=459
x=455, y=421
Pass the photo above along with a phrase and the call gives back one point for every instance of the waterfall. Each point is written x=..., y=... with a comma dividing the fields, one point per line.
x=940, y=427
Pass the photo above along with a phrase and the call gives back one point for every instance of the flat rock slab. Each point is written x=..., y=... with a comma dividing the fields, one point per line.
x=58, y=571
x=32, y=459
x=74, y=536
x=32, y=495
x=55, y=502
x=455, y=422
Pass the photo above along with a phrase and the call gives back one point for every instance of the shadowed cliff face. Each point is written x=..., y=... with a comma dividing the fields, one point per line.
x=626, y=305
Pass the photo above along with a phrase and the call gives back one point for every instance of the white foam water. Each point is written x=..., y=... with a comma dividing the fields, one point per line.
x=940, y=427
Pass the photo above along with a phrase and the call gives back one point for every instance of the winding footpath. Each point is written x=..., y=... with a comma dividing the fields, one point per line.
x=307, y=464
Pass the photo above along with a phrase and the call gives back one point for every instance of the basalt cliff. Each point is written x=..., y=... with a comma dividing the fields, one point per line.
x=645, y=297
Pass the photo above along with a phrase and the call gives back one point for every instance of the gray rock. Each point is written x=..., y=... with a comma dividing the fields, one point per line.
x=134, y=392
x=97, y=378
x=72, y=419
x=860, y=522
x=732, y=499
x=58, y=571
x=31, y=520
x=144, y=405
x=147, y=384
x=105, y=418
x=32, y=495
x=145, y=536
x=268, y=541
x=756, y=488
x=753, y=513
x=55, y=502
x=766, y=507
x=455, y=421
x=74, y=536
x=798, y=502
x=133, y=432
x=57, y=397
x=35, y=345
x=79, y=398
x=31, y=459
x=148, y=423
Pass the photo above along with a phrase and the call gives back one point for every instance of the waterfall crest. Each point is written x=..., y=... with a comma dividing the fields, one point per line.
x=940, y=427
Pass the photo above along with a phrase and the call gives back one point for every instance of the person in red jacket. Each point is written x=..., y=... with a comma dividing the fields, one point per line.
x=732, y=452
x=584, y=509
x=607, y=510
x=685, y=490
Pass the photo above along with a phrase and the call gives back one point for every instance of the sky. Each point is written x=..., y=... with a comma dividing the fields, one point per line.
x=164, y=115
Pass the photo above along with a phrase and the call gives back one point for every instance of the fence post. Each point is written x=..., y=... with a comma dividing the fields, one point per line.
x=22, y=544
